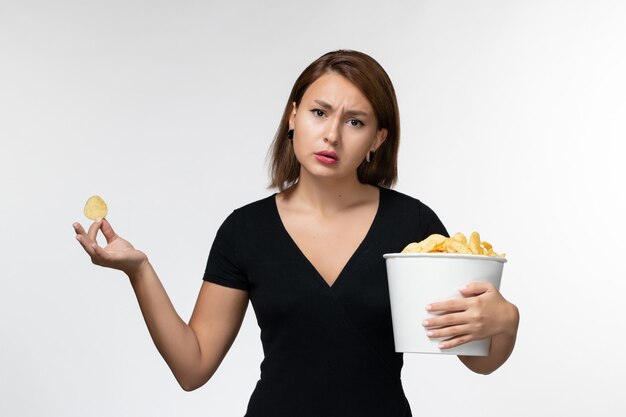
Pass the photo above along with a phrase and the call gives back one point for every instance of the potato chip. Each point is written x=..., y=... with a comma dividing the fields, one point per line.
x=460, y=237
x=474, y=244
x=441, y=247
x=453, y=246
x=412, y=248
x=95, y=208
x=431, y=242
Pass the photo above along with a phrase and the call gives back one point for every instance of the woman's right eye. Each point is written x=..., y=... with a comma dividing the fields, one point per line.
x=318, y=112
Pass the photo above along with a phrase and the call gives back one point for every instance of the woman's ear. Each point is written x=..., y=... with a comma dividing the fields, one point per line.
x=381, y=136
x=292, y=117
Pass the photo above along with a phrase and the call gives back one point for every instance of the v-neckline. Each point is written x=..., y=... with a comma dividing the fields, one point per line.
x=343, y=270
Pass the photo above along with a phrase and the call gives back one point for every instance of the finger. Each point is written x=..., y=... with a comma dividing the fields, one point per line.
x=108, y=231
x=476, y=288
x=449, y=306
x=450, y=319
x=101, y=257
x=78, y=228
x=455, y=341
x=449, y=332
x=93, y=229
x=86, y=243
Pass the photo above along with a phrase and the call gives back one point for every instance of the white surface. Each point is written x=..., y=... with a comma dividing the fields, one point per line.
x=416, y=280
x=512, y=124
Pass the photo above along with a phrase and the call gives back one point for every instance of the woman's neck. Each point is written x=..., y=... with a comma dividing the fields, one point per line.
x=329, y=196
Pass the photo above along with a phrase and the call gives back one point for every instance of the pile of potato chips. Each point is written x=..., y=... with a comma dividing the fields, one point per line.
x=456, y=244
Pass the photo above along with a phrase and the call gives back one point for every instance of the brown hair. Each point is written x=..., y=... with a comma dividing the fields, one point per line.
x=369, y=77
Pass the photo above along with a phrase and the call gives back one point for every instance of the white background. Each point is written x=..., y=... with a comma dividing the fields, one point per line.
x=512, y=113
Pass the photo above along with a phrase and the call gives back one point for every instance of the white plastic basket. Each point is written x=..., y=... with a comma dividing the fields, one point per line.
x=418, y=279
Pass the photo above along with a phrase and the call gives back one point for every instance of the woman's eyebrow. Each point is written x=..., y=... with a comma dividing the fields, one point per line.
x=350, y=112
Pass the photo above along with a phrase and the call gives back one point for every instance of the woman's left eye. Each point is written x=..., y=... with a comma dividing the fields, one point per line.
x=355, y=122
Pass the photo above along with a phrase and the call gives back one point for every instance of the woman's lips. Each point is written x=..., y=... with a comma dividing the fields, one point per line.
x=324, y=158
x=329, y=154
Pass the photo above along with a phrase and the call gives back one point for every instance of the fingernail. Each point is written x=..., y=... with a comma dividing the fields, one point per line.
x=425, y=323
x=442, y=345
x=78, y=238
x=98, y=220
x=429, y=307
x=429, y=333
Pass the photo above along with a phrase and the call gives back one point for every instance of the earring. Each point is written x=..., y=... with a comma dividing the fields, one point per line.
x=290, y=134
x=370, y=156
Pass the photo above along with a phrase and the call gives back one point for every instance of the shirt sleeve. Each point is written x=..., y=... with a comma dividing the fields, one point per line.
x=432, y=222
x=224, y=266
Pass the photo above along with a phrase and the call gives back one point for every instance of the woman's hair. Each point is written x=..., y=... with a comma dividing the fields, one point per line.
x=369, y=77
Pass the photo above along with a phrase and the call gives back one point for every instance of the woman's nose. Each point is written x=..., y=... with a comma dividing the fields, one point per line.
x=333, y=134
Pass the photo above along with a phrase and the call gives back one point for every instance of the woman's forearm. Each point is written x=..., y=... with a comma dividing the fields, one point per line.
x=174, y=339
x=500, y=349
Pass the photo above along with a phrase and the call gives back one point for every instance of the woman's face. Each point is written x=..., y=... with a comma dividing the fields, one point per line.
x=334, y=116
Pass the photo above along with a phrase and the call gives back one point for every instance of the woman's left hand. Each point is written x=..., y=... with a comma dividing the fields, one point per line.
x=482, y=313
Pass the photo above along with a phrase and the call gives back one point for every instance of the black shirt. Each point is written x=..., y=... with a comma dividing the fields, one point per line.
x=329, y=350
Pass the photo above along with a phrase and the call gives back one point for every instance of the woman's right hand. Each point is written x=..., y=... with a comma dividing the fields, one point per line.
x=117, y=254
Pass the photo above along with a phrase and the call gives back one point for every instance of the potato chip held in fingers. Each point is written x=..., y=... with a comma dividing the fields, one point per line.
x=95, y=208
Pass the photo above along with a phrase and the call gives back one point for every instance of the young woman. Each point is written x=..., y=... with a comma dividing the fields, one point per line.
x=309, y=258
